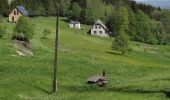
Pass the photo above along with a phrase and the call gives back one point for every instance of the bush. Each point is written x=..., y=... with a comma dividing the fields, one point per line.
x=2, y=31
x=23, y=29
x=46, y=32
x=121, y=42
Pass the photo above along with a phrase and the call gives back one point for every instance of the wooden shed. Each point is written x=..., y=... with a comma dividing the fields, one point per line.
x=17, y=12
x=97, y=79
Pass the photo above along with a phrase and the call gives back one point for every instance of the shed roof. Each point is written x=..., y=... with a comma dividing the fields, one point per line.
x=22, y=10
x=74, y=22
x=94, y=78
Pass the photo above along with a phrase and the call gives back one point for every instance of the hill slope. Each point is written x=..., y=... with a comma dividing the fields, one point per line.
x=143, y=74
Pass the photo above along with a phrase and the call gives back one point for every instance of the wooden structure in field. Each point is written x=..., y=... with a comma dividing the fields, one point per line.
x=98, y=79
x=17, y=12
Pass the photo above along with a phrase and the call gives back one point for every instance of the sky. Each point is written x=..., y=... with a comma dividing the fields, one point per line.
x=159, y=3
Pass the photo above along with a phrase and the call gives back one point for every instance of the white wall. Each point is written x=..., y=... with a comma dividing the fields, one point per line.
x=75, y=26
x=99, y=30
x=16, y=17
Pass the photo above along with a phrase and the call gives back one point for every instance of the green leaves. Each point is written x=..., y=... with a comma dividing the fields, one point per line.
x=24, y=28
x=64, y=7
x=121, y=42
x=144, y=29
x=118, y=20
x=46, y=32
x=2, y=31
x=75, y=11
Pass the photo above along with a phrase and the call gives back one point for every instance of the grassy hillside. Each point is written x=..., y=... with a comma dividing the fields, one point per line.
x=143, y=74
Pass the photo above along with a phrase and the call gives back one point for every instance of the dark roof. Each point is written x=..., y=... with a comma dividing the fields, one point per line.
x=22, y=10
x=74, y=22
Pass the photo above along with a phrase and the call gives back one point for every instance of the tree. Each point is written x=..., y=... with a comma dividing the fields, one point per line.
x=118, y=20
x=165, y=19
x=3, y=6
x=2, y=29
x=89, y=16
x=75, y=11
x=46, y=32
x=159, y=32
x=97, y=9
x=156, y=14
x=144, y=29
x=64, y=7
x=121, y=42
x=51, y=9
x=122, y=18
x=132, y=25
x=23, y=29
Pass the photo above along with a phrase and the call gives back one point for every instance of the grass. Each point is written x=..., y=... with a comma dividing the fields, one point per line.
x=142, y=74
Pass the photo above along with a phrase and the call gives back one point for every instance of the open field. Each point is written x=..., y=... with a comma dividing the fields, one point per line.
x=142, y=74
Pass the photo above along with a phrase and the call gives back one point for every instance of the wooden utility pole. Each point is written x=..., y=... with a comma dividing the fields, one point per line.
x=56, y=51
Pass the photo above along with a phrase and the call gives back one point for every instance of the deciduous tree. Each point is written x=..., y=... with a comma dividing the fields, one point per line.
x=23, y=28
x=121, y=42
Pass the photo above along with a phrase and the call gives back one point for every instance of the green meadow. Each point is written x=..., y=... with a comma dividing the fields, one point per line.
x=142, y=74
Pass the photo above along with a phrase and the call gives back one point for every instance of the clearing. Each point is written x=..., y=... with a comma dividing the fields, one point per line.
x=143, y=74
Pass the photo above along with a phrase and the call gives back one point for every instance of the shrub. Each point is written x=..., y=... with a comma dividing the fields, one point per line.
x=2, y=31
x=23, y=29
x=121, y=42
x=46, y=32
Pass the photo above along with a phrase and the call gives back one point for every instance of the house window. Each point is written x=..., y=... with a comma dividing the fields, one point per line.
x=99, y=27
x=95, y=27
x=100, y=32
x=14, y=12
x=95, y=32
x=13, y=19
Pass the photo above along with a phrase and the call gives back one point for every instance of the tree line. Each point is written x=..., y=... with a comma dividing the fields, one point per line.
x=140, y=22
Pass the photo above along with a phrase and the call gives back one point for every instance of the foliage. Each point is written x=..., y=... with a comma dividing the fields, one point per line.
x=89, y=17
x=121, y=42
x=156, y=14
x=159, y=32
x=118, y=20
x=144, y=29
x=3, y=6
x=165, y=19
x=51, y=9
x=132, y=26
x=2, y=31
x=2, y=28
x=75, y=11
x=46, y=33
x=24, y=28
x=64, y=7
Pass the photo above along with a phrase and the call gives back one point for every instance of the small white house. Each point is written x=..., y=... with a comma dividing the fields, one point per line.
x=75, y=24
x=99, y=28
